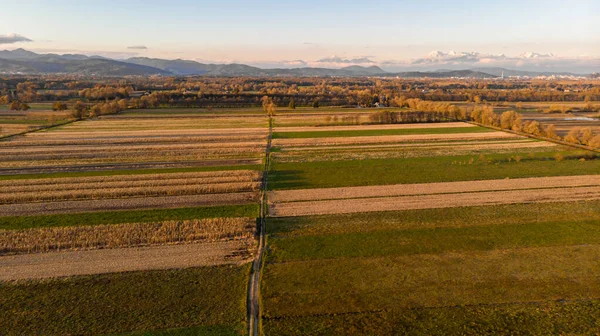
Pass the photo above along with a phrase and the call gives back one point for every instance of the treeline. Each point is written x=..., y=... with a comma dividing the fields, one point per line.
x=428, y=112
x=247, y=91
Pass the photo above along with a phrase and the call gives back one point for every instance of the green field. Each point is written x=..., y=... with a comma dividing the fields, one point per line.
x=537, y=318
x=211, y=297
x=464, y=270
x=327, y=174
x=522, y=269
x=433, y=231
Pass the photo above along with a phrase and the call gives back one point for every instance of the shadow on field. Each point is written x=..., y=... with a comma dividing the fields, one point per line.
x=286, y=179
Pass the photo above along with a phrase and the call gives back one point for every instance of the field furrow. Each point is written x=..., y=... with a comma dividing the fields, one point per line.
x=163, y=202
x=73, y=263
x=306, y=208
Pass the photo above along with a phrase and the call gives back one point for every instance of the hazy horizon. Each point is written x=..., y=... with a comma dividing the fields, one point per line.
x=523, y=35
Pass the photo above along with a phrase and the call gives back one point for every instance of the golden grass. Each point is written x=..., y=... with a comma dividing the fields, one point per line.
x=125, y=235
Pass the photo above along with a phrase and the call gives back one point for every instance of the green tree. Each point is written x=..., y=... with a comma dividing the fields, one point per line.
x=292, y=105
x=316, y=103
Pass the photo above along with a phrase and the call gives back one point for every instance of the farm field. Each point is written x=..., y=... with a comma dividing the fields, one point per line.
x=15, y=122
x=127, y=216
x=430, y=231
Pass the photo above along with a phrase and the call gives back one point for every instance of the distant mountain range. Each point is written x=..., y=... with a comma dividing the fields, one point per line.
x=21, y=61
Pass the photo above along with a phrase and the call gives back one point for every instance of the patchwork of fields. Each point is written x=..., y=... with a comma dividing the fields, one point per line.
x=145, y=223
x=166, y=202
x=429, y=229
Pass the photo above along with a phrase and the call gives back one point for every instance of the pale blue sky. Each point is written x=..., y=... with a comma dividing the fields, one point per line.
x=273, y=31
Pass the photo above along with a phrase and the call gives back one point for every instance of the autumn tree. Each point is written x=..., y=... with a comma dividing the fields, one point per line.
x=18, y=106
x=316, y=103
x=78, y=110
x=292, y=105
x=59, y=106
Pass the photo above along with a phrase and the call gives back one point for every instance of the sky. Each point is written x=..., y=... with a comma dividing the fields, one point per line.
x=392, y=34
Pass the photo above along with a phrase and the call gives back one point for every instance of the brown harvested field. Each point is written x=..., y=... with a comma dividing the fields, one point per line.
x=340, y=153
x=163, y=202
x=159, y=179
x=390, y=139
x=39, y=185
x=74, y=149
x=8, y=129
x=134, y=154
x=450, y=200
x=116, y=140
x=433, y=188
x=373, y=127
x=509, y=143
x=73, y=263
x=74, y=167
x=191, y=160
x=125, y=192
x=110, y=133
x=204, y=122
x=125, y=235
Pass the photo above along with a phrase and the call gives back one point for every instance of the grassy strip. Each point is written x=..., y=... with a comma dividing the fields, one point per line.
x=130, y=172
x=327, y=174
x=216, y=330
x=462, y=217
x=355, y=133
x=433, y=240
x=544, y=318
x=125, y=302
x=133, y=216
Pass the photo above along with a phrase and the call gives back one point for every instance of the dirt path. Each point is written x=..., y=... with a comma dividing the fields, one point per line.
x=62, y=264
x=450, y=200
x=253, y=301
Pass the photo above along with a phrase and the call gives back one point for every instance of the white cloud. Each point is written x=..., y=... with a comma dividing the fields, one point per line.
x=530, y=61
x=13, y=38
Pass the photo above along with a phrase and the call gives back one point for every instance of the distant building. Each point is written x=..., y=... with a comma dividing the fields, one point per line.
x=138, y=94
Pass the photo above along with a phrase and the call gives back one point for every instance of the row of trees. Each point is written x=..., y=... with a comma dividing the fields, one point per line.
x=203, y=91
x=427, y=112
